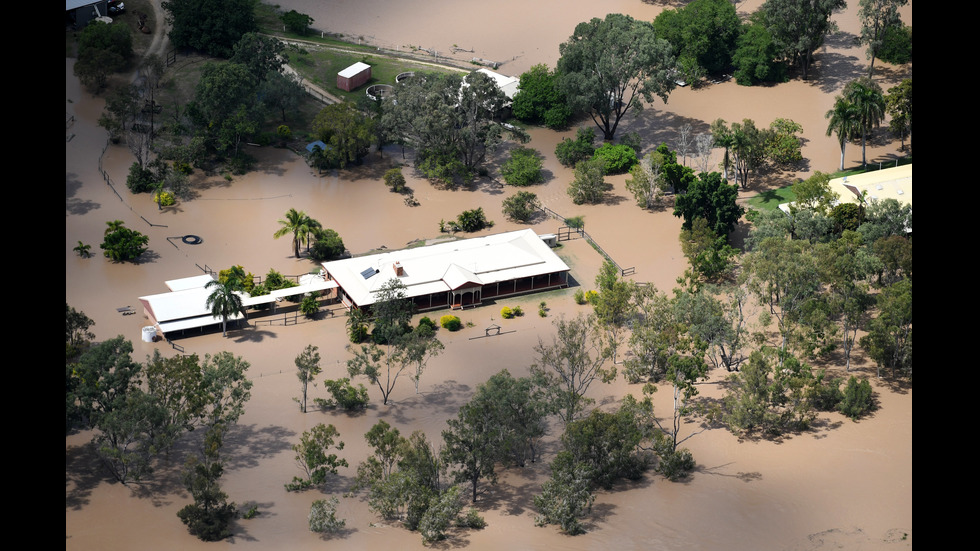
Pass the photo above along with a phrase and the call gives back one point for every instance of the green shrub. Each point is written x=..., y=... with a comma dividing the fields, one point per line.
x=577, y=222
x=140, y=179
x=539, y=99
x=570, y=152
x=357, y=333
x=310, y=307
x=521, y=206
x=523, y=168
x=345, y=395
x=471, y=519
x=473, y=220
x=580, y=297
x=619, y=159
x=395, y=180
x=896, y=44
x=182, y=167
x=674, y=464
x=427, y=322
x=518, y=311
x=328, y=245
x=826, y=396
x=239, y=279
x=323, y=516
x=858, y=398
x=506, y=313
x=450, y=322
x=121, y=243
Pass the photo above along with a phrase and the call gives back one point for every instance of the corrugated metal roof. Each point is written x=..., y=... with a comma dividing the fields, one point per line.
x=444, y=266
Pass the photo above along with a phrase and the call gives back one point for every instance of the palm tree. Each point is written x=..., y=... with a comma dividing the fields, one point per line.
x=114, y=226
x=224, y=301
x=869, y=102
x=843, y=121
x=300, y=225
x=83, y=250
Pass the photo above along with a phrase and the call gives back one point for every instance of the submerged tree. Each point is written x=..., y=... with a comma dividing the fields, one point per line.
x=314, y=457
x=307, y=370
x=798, y=27
x=877, y=17
x=570, y=364
x=300, y=225
x=608, y=65
x=210, y=515
x=768, y=398
x=472, y=444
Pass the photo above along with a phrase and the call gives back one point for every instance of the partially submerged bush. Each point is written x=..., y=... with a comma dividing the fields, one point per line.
x=323, y=516
x=618, y=159
x=521, y=206
x=395, y=180
x=140, y=179
x=450, y=322
x=523, y=168
x=858, y=398
x=345, y=395
x=473, y=220
x=164, y=199
x=570, y=152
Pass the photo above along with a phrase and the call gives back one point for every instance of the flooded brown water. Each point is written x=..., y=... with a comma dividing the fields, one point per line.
x=844, y=485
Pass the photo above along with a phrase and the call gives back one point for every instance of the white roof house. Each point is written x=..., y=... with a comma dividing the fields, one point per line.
x=508, y=85
x=185, y=306
x=454, y=274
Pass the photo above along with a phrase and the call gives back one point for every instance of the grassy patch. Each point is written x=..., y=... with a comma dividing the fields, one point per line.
x=771, y=199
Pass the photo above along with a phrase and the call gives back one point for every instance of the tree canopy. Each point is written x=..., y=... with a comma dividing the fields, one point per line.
x=347, y=132
x=798, y=27
x=711, y=198
x=877, y=17
x=539, y=100
x=703, y=34
x=608, y=65
x=102, y=49
x=449, y=120
x=121, y=243
x=212, y=26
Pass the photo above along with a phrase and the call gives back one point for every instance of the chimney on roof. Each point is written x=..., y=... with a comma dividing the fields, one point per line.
x=399, y=269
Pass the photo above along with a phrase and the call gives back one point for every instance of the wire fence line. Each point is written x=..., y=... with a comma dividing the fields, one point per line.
x=565, y=233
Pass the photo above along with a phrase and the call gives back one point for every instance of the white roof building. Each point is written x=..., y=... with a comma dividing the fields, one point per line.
x=508, y=85
x=453, y=274
x=185, y=306
x=887, y=183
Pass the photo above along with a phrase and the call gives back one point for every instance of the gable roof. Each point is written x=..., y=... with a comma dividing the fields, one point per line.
x=447, y=266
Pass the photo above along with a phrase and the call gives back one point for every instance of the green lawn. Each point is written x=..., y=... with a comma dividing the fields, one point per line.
x=325, y=57
x=770, y=200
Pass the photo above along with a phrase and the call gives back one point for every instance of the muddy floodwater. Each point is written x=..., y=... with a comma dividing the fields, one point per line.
x=842, y=485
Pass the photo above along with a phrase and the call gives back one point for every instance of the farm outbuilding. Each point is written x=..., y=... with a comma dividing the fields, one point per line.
x=352, y=77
